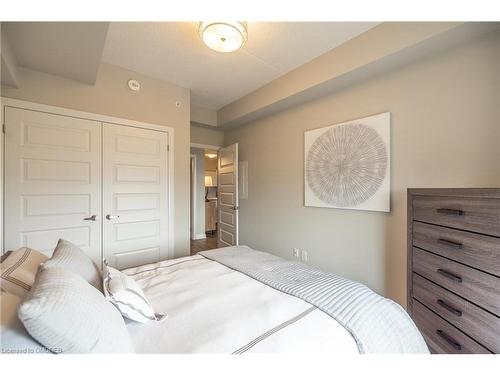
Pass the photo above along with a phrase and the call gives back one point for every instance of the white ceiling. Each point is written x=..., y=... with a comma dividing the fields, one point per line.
x=173, y=51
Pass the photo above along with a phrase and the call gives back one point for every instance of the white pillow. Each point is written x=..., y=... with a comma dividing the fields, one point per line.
x=18, y=270
x=127, y=296
x=67, y=315
x=13, y=337
x=72, y=258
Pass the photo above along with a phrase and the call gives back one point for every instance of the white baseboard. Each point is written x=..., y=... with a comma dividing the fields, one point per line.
x=199, y=237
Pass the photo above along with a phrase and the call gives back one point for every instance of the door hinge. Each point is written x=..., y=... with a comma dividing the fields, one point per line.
x=3, y=128
x=168, y=148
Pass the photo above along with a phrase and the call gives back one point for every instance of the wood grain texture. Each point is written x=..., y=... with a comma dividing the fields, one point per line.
x=208, y=243
x=481, y=215
x=478, y=287
x=409, y=246
x=455, y=231
x=476, y=250
x=456, y=192
x=467, y=317
x=429, y=323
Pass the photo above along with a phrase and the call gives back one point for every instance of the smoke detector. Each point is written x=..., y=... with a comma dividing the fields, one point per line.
x=133, y=85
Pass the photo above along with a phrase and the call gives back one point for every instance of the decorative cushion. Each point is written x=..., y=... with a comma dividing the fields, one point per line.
x=67, y=315
x=5, y=255
x=13, y=337
x=72, y=258
x=18, y=270
x=128, y=297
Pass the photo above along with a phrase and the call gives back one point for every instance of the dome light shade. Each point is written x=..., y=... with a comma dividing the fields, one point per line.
x=223, y=36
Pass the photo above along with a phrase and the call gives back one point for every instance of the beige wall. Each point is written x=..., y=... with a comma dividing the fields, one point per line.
x=211, y=164
x=380, y=50
x=207, y=136
x=155, y=103
x=203, y=115
x=445, y=133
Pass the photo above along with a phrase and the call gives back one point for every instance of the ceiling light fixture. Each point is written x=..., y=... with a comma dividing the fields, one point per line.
x=223, y=36
x=211, y=156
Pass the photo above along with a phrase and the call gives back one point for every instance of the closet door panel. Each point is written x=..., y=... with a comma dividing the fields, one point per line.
x=135, y=191
x=52, y=181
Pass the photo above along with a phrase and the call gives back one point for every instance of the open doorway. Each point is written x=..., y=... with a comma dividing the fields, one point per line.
x=204, y=199
x=215, y=190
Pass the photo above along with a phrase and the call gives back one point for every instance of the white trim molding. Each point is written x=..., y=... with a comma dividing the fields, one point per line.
x=199, y=237
x=192, y=201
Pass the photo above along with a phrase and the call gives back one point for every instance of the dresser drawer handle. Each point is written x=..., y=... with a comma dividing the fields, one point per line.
x=449, y=340
x=449, y=275
x=449, y=308
x=450, y=211
x=455, y=245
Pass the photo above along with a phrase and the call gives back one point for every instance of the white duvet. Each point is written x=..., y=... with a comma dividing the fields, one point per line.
x=213, y=309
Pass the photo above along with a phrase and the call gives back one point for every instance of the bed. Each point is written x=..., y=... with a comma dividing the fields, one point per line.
x=228, y=301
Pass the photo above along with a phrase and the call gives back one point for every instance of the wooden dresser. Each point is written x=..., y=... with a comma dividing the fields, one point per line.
x=454, y=268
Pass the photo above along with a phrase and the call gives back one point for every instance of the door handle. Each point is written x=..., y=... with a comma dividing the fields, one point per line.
x=91, y=218
x=112, y=217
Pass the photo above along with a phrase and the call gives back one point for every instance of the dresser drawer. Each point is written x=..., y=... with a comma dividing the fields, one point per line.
x=480, y=215
x=441, y=336
x=473, y=249
x=474, y=321
x=476, y=286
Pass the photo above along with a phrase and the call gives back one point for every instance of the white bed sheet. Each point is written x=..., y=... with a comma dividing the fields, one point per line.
x=213, y=309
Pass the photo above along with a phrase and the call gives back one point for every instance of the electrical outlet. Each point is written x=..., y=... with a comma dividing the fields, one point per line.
x=305, y=256
x=296, y=253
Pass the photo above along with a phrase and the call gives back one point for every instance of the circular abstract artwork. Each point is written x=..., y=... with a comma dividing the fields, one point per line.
x=346, y=165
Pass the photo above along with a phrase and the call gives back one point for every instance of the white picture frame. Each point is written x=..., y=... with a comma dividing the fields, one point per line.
x=348, y=165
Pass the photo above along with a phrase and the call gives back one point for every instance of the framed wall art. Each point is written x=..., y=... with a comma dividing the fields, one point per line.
x=348, y=165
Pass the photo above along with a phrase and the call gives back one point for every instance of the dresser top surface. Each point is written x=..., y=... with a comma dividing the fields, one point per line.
x=457, y=192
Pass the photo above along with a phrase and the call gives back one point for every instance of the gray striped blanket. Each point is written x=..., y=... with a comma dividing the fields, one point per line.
x=377, y=324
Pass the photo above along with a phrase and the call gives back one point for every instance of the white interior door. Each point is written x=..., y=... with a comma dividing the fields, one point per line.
x=52, y=181
x=227, y=172
x=135, y=195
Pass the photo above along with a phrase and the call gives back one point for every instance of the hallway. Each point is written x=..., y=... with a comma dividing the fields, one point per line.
x=204, y=244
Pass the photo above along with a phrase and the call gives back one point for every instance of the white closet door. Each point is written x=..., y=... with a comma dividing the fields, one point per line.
x=135, y=192
x=227, y=172
x=52, y=181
